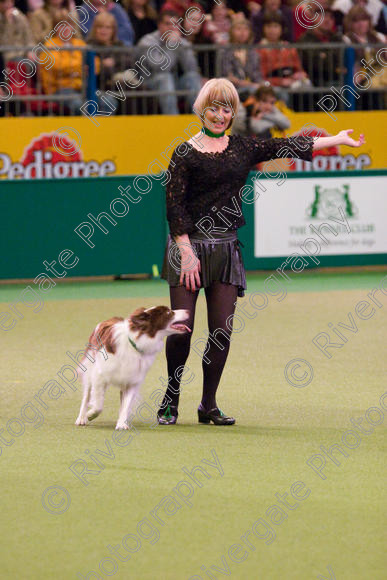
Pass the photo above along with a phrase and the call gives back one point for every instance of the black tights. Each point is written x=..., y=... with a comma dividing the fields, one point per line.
x=221, y=300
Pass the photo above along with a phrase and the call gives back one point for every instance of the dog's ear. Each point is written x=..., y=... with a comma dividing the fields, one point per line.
x=138, y=319
x=138, y=314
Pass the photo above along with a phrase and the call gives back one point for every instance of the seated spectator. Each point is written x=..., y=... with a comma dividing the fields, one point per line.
x=273, y=7
x=321, y=64
x=66, y=75
x=180, y=7
x=241, y=65
x=125, y=28
x=142, y=16
x=358, y=30
x=305, y=15
x=325, y=31
x=14, y=31
x=206, y=58
x=193, y=27
x=104, y=34
x=252, y=7
x=280, y=65
x=342, y=7
x=41, y=19
x=176, y=69
x=260, y=116
x=218, y=24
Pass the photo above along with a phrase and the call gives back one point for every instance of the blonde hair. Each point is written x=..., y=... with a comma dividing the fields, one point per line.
x=216, y=91
x=103, y=18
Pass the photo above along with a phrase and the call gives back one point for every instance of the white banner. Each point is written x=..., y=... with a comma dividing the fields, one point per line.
x=343, y=215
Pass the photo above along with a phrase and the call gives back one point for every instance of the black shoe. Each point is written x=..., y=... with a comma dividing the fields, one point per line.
x=215, y=415
x=167, y=416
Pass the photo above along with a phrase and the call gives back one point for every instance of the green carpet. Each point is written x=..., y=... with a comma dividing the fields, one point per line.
x=310, y=281
x=136, y=518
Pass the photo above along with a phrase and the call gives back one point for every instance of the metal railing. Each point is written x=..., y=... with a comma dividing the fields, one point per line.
x=100, y=76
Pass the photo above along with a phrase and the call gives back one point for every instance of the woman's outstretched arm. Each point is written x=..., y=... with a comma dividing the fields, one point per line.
x=341, y=138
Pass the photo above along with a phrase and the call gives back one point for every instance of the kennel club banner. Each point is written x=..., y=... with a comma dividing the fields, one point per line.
x=71, y=147
x=322, y=216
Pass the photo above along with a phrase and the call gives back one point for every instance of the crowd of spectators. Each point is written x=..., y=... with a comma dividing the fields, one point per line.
x=256, y=40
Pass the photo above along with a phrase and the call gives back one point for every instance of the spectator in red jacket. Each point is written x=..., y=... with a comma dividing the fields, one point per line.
x=308, y=16
x=281, y=65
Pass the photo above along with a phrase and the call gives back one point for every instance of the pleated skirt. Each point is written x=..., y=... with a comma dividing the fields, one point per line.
x=220, y=259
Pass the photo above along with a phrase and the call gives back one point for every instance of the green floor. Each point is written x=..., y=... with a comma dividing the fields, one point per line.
x=137, y=497
x=309, y=281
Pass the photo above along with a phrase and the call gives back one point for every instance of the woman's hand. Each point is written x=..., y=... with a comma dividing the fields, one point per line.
x=341, y=138
x=347, y=140
x=189, y=263
x=190, y=268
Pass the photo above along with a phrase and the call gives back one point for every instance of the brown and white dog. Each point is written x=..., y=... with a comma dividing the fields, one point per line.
x=131, y=346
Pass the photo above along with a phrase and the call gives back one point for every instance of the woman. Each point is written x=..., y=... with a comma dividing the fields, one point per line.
x=142, y=16
x=241, y=65
x=41, y=20
x=358, y=30
x=66, y=75
x=281, y=65
x=217, y=25
x=103, y=34
x=207, y=177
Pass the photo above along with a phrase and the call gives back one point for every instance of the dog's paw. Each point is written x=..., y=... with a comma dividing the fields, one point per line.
x=81, y=421
x=121, y=426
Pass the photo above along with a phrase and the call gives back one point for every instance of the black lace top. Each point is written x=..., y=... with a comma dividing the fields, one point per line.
x=206, y=190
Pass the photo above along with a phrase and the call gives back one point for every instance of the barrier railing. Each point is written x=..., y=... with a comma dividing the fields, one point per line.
x=111, y=78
